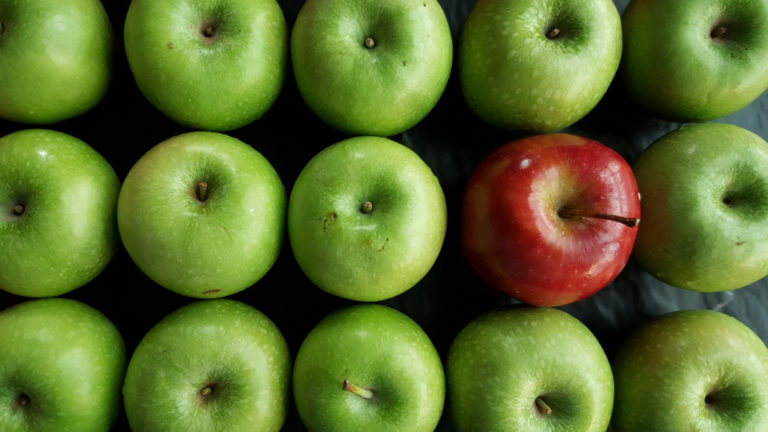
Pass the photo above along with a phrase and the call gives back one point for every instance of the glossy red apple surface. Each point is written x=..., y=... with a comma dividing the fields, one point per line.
x=550, y=219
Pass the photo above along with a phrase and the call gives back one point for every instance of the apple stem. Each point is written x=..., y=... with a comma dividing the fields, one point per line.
x=362, y=392
x=202, y=191
x=719, y=31
x=369, y=42
x=542, y=406
x=367, y=207
x=22, y=400
x=573, y=214
x=206, y=391
x=553, y=33
x=18, y=209
x=209, y=31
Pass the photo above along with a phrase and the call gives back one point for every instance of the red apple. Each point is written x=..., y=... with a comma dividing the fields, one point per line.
x=550, y=219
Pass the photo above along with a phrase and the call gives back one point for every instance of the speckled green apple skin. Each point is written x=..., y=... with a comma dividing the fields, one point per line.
x=67, y=233
x=666, y=369
x=218, y=83
x=377, y=348
x=210, y=248
x=503, y=360
x=516, y=78
x=221, y=342
x=366, y=256
x=704, y=203
x=55, y=58
x=68, y=359
x=382, y=90
x=675, y=69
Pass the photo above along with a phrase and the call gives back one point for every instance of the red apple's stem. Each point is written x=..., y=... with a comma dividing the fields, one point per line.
x=362, y=392
x=553, y=33
x=367, y=207
x=369, y=42
x=18, y=209
x=577, y=214
x=202, y=191
x=542, y=406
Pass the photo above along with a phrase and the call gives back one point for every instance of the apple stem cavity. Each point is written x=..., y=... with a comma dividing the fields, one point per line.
x=369, y=42
x=209, y=31
x=367, y=207
x=553, y=33
x=711, y=399
x=22, y=400
x=18, y=210
x=579, y=214
x=206, y=391
x=362, y=392
x=718, y=31
x=202, y=191
x=542, y=406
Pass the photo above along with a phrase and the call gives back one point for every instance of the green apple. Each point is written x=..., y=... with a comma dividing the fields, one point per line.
x=694, y=370
x=371, y=67
x=57, y=213
x=704, y=207
x=528, y=369
x=216, y=365
x=368, y=368
x=202, y=214
x=55, y=58
x=208, y=64
x=366, y=219
x=538, y=65
x=61, y=367
x=695, y=60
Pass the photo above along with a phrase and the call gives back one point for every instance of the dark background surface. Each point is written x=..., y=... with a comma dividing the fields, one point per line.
x=452, y=141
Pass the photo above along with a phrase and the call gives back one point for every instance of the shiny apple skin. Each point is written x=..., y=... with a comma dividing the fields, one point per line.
x=513, y=236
